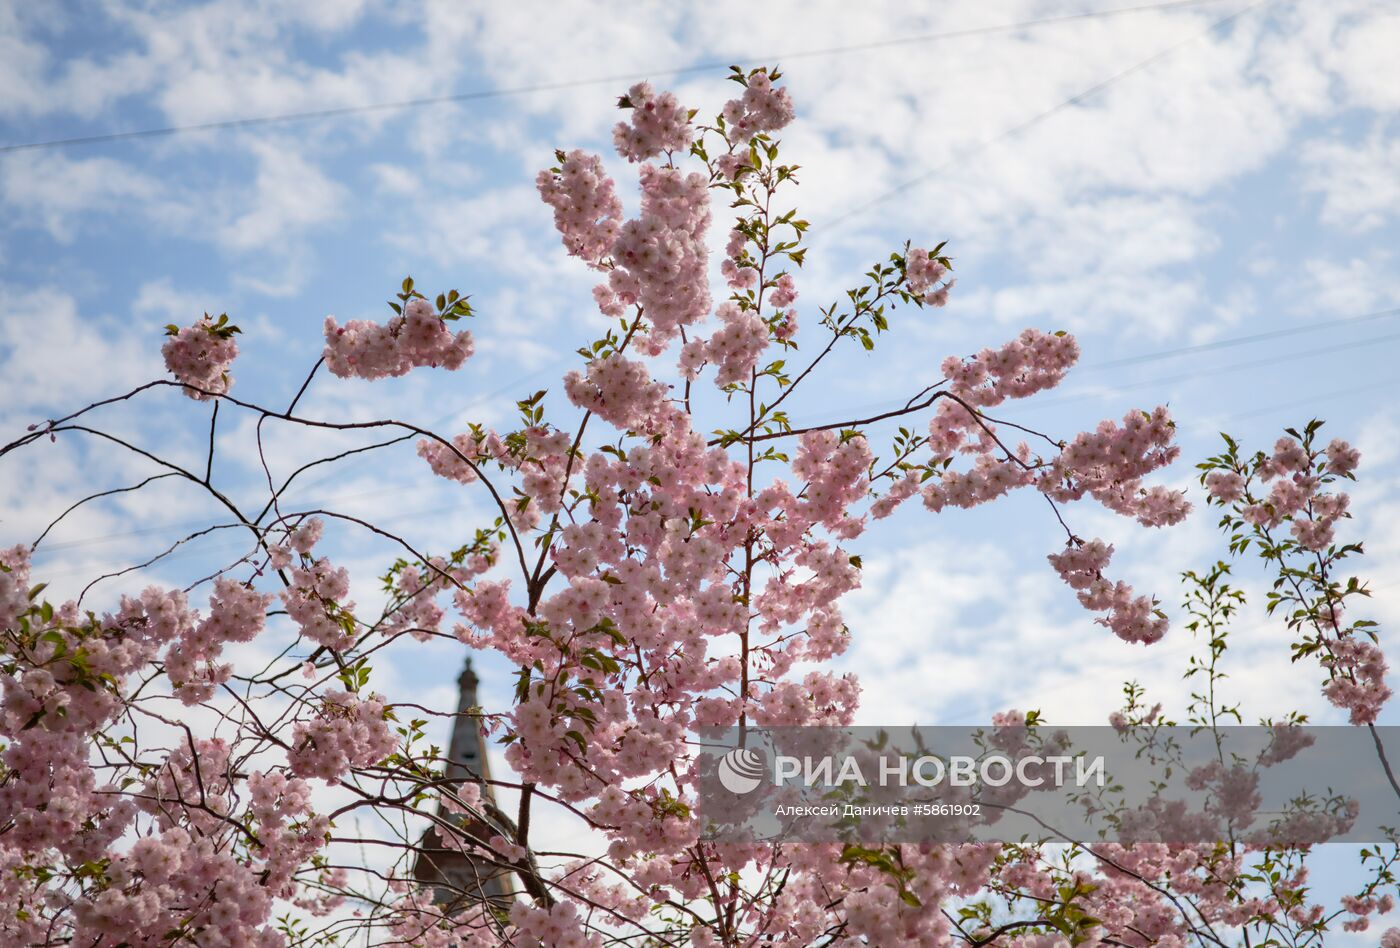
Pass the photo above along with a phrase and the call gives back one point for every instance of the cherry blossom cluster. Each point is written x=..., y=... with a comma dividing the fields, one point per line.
x=1107, y=464
x=734, y=349
x=1363, y=907
x=419, y=615
x=904, y=488
x=199, y=356
x=201, y=882
x=457, y=461
x=763, y=107
x=1110, y=463
x=418, y=337
x=1296, y=495
x=236, y=614
x=618, y=389
x=736, y=346
x=587, y=212
x=927, y=277
x=1358, y=669
x=661, y=256
x=656, y=261
x=538, y=454
x=1032, y=362
x=314, y=603
x=14, y=585
x=658, y=123
x=176, y=883
x=646, y=574
x=1295, y=485
x=1132, y=618
x=349, y=732
x=292, y=833
x=170, y=861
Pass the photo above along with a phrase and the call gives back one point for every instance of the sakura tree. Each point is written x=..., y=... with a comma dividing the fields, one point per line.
x=666, y=551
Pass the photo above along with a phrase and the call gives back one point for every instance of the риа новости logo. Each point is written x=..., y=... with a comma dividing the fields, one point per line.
x=742, y=770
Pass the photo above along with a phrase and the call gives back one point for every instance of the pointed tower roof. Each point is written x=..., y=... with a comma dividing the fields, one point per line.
x=460, y=879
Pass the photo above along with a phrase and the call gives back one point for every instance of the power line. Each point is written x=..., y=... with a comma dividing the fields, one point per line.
x=1074, y=397
x=1313, y=399
x=1241, y=340
x=808, y=53
x=477, y=95
x=1035, y=120
x=834, y=50
x=1217, y=370
x=1066, y=399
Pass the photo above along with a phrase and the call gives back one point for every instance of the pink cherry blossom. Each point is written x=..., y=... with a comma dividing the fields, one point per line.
x=199, y=356
x=763, y=107
x=419, y=337
x=203, y=760
x=587, y=212
x=657, y=123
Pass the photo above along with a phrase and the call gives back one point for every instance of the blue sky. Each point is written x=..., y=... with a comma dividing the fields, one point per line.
x=1242, y=182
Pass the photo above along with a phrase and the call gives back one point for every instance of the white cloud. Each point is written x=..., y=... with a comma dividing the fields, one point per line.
x=1196, y=120
x=1351, y=287
x=55, y=192
x=55, y=355
x=22, y=62
x=214, y=60
x=160, y=298
x=395, y=179
x=1357, y=180
x=1101, y=218
x=289, y=195
x=1112, y=262
x=1365, y=59
x=1130, y=304
x=953, y=630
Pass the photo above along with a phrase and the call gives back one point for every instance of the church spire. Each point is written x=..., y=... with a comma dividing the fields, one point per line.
x=466, y=752
x=458, y=878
